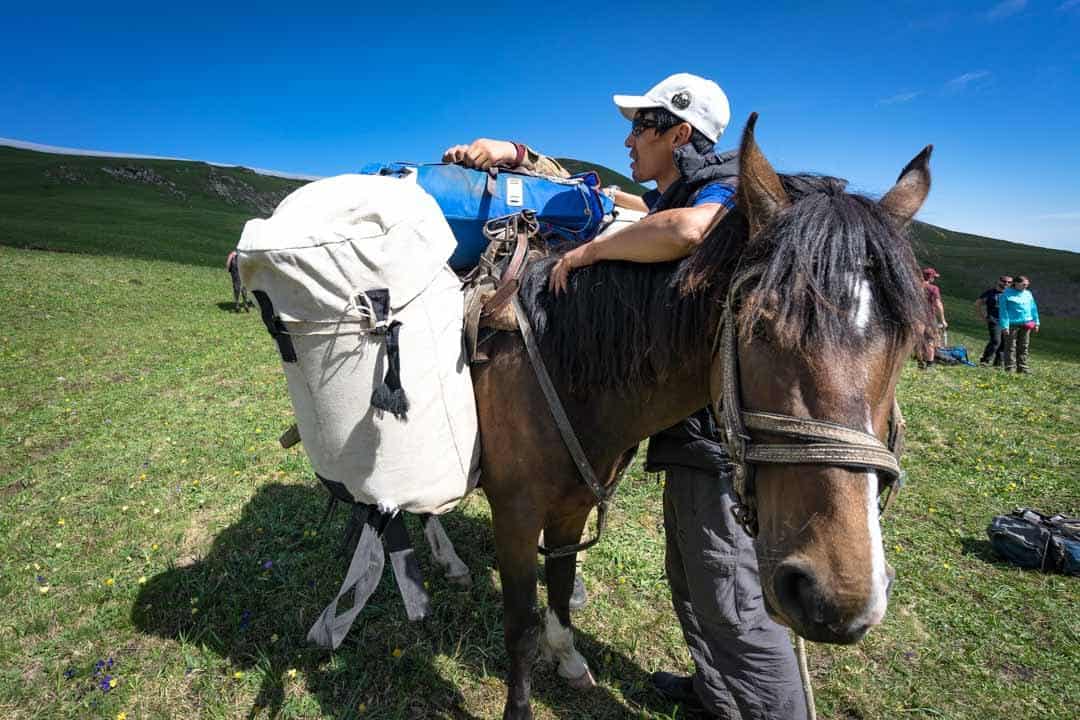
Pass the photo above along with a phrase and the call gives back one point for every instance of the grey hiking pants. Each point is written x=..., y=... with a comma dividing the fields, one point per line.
x=746, y=667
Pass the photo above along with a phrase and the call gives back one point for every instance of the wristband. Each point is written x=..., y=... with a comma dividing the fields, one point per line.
x=520, y=157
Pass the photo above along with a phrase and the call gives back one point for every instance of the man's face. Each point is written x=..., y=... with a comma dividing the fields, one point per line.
x=650, y=148
x=1004, y=282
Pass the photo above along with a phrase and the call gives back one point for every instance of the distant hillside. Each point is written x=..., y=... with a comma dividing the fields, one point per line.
x=189, y=212
x=607, y=175
x=192, y=212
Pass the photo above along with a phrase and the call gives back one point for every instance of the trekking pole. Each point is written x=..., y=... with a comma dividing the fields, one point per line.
x=804, y=673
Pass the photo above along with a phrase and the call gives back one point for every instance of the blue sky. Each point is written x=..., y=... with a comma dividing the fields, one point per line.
x=851, y=89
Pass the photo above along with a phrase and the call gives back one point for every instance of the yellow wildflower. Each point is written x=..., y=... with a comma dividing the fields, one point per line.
x=112, y=682
x=60, y=522
x=142, y=579
x=396, y=653
x=44, y=589
x=121, y=716
x=292, y=673
x=238, y=675
x=109, y=582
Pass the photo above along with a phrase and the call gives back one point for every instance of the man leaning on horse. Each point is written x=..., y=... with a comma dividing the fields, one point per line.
x=745, y=664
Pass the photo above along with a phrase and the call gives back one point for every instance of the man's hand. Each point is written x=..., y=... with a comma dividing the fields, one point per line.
x=578, y=257
x=482, y=154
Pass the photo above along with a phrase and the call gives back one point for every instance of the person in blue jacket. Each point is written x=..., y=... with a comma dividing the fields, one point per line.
x=745, y=665
x=1018, y=317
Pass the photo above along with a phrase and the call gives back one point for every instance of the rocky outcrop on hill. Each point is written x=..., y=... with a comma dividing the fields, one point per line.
x=235, y=191
x=145, y=175
x=65, y=174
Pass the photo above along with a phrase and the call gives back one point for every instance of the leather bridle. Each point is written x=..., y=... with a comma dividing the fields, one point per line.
x=817, y=442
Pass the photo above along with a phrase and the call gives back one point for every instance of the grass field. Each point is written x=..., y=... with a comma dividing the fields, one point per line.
x=159, y=556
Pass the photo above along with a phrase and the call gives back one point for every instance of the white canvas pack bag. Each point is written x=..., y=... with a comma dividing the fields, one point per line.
x=351, y=276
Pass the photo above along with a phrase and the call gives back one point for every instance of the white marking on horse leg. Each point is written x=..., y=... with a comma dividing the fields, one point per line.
x=874, y=612
x=559, y=642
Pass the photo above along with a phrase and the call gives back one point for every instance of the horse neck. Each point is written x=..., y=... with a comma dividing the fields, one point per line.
x=616, y=419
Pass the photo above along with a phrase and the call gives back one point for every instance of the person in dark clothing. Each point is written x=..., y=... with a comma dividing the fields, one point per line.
x=987, y=307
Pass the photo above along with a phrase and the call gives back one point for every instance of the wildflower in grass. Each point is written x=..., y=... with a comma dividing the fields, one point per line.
x=238, y=675
x=267, y=564
x=41, y=580
x=274, y=638
x=195, y=482
x=154, y=547
x=60, y=522
x=69, y=673
x=194, y=611
x=157, y=511
x=121, y=716
x=124, y=508
x=245, y=620
x=396, y=652
x=109, y=582
x=107, y=683
x=143, y=476
x=292, y=673
x=59, y=545
x=142, y=579
x=43, y=590
x=361, y=708
x=99, y=666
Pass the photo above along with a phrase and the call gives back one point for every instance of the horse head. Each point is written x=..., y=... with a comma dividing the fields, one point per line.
x=825, y=308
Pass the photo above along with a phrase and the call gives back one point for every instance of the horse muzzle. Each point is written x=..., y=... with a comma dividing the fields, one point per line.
x=800, y=600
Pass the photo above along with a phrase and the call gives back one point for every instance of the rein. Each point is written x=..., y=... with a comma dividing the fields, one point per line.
x=817, y=442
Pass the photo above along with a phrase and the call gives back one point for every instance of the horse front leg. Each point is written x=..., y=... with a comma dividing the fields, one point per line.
x=442, y=550
x=558, y=638
x=516, y=535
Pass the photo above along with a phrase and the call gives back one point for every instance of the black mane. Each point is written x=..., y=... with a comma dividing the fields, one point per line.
x=623, y=324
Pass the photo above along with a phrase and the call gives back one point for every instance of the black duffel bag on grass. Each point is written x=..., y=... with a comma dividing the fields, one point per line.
x=1033, y=540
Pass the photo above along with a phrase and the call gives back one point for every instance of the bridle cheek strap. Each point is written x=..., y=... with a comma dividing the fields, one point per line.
x=819, y=442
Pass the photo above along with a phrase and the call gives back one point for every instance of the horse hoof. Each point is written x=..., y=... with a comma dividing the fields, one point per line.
x=585, y=682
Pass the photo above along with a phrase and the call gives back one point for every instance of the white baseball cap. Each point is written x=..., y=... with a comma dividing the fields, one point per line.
x=694, y=99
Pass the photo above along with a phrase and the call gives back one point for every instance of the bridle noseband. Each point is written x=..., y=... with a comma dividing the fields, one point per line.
x=818, y=442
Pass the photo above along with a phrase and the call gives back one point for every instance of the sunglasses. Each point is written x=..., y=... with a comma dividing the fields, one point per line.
x=646, y=122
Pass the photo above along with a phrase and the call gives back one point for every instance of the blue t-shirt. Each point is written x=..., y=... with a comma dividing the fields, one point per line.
x=715, y=192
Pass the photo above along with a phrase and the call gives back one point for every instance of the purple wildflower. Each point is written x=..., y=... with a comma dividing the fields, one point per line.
x=69, y=673
x=98, y=666
x=40, y=579
x=267, y=564
x=245, y=620
x=105, y=684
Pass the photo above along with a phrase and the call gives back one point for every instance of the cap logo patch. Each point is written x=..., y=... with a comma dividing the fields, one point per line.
x=681, y=100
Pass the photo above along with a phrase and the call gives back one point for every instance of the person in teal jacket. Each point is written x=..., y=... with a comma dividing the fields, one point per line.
x=1018, y=316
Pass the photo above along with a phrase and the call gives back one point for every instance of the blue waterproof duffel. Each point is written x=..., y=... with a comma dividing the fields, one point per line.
x=570, y=210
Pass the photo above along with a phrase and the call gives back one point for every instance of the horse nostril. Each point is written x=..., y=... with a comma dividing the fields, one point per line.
x=796, y=591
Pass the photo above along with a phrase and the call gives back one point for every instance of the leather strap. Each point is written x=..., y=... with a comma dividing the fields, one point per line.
x=566, y=430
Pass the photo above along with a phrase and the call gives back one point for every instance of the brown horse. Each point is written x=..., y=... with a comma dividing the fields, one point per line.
x=828, y=306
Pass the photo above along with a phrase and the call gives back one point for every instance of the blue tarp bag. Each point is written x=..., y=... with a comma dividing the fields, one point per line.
x=568, y=210
x=952, y=355
x=1030, y=539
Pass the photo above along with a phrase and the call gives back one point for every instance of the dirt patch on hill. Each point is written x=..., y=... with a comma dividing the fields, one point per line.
x=144, y=175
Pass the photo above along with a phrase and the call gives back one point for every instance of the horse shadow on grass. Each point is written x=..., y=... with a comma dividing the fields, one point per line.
x=252, y=598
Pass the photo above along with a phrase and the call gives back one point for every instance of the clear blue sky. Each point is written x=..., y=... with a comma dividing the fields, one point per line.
x=847, y=89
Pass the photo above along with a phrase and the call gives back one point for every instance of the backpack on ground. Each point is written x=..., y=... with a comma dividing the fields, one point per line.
x=350, y=275
x=1030, y=539
x=952, y=355
x=568, y=209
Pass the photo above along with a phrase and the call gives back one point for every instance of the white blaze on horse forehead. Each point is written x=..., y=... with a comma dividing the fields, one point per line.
x=864, y=301
x=874, y=612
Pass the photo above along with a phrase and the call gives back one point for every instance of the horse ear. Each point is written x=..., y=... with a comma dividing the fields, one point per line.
x=911, y=188
x=761, y=194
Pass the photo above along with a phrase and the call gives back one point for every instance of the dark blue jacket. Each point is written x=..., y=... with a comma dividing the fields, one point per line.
x=694, y=442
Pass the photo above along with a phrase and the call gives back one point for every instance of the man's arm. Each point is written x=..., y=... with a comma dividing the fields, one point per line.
x=629, y=201
x=939, y=307
x=666, y=235
x=484, y=154
x=980, y=308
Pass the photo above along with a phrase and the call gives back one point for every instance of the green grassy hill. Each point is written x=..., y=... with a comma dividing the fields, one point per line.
x=192, y=212
x=161, y=555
